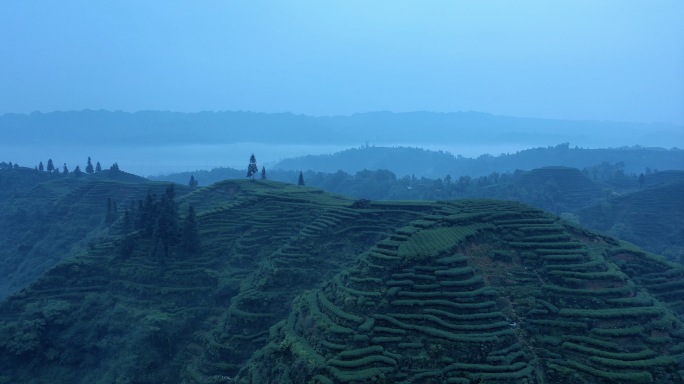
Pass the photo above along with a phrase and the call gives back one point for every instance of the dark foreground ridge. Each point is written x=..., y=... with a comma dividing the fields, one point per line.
x=293, y=285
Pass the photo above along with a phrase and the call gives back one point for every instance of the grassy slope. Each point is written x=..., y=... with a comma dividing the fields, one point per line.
x=376, y=293
x=264, y=242
x=44, y=217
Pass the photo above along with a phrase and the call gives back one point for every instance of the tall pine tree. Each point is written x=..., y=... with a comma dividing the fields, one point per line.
x=193, y=182
x=252, y=168
x=127, y=242
x=146, y=213
x=166, y=229
x=111, y=211
x=89, y=167
x=190, y=233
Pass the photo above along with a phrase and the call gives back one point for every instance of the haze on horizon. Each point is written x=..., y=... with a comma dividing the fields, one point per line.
x=619, y=60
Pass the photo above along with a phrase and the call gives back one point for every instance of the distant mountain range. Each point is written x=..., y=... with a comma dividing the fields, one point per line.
x=152, y=143
x=437, y=164
x=384, y=128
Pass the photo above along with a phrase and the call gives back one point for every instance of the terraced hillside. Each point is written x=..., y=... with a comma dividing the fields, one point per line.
x=484, y=291
x=45, y=217
x=296, y=285
x=148, y=318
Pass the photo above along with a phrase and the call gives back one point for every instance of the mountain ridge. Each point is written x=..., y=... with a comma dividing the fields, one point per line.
x=107, y=128
x=427, y=163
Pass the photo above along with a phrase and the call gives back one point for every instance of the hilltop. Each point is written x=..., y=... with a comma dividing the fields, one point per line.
x=293, y=284
x=587, y=196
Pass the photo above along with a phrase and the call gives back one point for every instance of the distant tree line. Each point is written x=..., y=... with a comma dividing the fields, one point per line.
x=89, y=169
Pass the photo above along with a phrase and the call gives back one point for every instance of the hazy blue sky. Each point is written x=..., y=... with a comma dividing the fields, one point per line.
x=575, y=59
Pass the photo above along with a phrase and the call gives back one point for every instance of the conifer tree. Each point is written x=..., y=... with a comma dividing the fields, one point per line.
x=300, y=181
x=166, y=228
x=263, y=173
x=190, y=234
x=50, y=166
x=127, y=243
x=193, y=182
x=126, y=222
x=77, y=171
x=40, y=166
x=89, y=167
x=146, y=212
x=98, y=167
x=139, y=223
x=252, y=168
x=65, y=170
x=111, y=211
x=114, y=167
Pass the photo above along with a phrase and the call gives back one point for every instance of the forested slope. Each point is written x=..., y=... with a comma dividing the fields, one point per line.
x=652, y=217
x=46, y=217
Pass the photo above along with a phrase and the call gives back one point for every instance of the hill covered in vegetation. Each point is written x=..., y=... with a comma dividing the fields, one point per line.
x=652, y=217
x=293, y=284
x=575, y=194
x=46, y=217
x=437, y=164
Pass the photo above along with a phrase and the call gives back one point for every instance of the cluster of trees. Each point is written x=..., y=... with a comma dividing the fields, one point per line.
x=9, y=165
x=157, y=219
x=252, y=169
